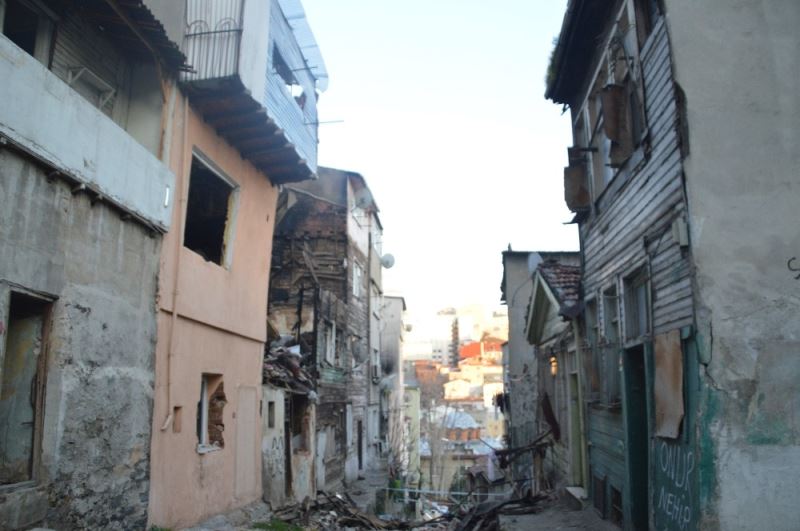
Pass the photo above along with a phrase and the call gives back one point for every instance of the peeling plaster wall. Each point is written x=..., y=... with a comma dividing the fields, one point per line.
x=100, y=345
x=739, y=70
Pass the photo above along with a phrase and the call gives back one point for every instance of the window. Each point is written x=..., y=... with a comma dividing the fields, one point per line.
x=300, y=420
x=647, y=13
x=611, y=350
x=271, y=414
x=330, y=342
x=591, y=330
x=208, y=230
x=22, y=381
x=210, y=421
x=358, y=275
x=27, y=27
x=637, y=305
x=285, y=72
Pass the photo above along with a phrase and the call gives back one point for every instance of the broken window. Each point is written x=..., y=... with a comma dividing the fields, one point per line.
x=285, y=72
x=209, y=213
x=637, y=314
x=210, y=423
x=27, y=27
x=21, y=382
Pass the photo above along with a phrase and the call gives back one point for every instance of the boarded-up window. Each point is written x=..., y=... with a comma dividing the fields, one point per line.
x=21, y=379
x=668, y=357
x=208, y=213
x=576, y=185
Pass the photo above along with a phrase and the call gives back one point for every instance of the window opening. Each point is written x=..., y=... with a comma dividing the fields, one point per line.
x=21, y=25
x=270, y=414
x=285, y=72
x=22, y=377
x=300, y=422
x=590, y=321
x=637, y=322
x=358, y=273
x=612, y=348
x=208, y=213
x=210, y=424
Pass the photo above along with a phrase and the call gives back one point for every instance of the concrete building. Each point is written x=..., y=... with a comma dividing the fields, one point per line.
x=683, y=213
x=87, y=194
x=241, y=129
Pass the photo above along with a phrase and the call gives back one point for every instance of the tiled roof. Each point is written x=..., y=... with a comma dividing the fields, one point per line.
x=564, y=281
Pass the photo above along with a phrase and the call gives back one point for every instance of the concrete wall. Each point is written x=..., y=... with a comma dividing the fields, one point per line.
x=521, y=365
x=218, y=328
x=102, y=273
x=304, y=483
x=273, y=449
x=79, y=139
x=739, y=71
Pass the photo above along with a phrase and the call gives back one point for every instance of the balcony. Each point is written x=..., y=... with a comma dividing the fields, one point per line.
x=46, y=118
x=255, y=80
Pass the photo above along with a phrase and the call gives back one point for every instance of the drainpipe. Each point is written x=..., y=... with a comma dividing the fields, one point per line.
x=181, y=199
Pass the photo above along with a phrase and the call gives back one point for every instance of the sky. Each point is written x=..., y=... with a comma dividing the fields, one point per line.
x=440, y=106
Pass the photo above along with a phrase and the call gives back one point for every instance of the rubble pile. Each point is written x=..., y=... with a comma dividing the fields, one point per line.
x=283, y=366
x=333, y=512
x=336, y=512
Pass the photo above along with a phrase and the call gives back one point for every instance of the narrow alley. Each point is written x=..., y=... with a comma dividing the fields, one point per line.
x=355, y=265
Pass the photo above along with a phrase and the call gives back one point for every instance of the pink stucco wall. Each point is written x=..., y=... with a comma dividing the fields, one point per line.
x=219, y=328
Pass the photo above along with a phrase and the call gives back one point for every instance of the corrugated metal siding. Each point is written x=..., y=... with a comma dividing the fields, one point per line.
x=80, y=45
x=646, y=205
x=299, y=124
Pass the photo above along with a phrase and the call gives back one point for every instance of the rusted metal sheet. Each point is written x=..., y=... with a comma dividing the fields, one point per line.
x=668, y=384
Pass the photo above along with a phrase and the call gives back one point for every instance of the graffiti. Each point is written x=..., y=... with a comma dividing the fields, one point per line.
x=675, y=495
x=792, y=268
x=273, y=459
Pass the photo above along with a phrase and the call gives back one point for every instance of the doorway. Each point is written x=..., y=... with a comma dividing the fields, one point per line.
x=637, y=435
x=360, y=445
x=22, y=384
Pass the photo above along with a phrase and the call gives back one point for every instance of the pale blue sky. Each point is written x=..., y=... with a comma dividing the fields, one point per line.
x=444, y=115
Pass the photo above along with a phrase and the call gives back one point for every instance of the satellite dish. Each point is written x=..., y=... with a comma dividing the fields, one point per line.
x=387, y=261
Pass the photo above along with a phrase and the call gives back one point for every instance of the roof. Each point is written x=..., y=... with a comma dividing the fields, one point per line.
x=296, y=17
x=584, y=23
x=147, y=36
x=563, y=280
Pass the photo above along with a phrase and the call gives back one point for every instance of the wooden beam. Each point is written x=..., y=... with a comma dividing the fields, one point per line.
x=276, y=155
x=262, y=143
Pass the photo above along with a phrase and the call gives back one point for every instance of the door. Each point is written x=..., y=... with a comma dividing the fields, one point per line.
x=360, y=445
x=21, y=373
x=575, y=435
x=637, y=435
